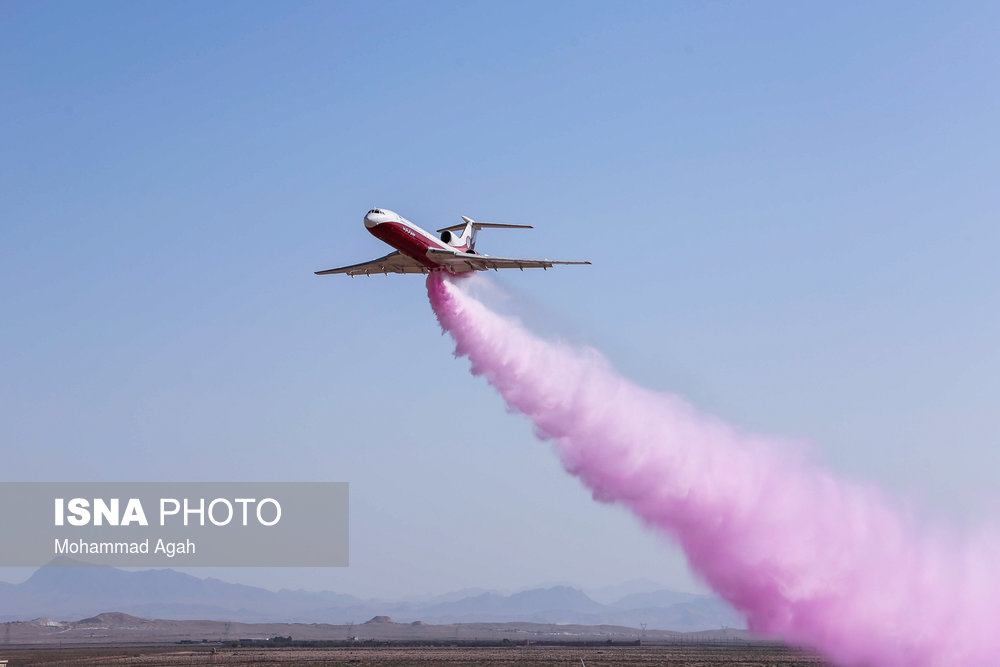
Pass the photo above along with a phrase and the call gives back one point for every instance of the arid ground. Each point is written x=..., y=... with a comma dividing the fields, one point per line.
x=120, y=639
x=424, y=656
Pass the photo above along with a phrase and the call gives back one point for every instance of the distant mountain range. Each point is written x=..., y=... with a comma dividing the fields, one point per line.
x=74, y=592
x=116, y=628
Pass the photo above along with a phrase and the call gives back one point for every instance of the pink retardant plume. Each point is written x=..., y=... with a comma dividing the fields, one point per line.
x=804, y=556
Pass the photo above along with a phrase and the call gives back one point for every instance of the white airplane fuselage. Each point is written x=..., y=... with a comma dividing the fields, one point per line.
x=407, y=237
x=418, y=251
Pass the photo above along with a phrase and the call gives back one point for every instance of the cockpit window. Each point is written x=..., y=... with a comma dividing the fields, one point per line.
x=376, y=210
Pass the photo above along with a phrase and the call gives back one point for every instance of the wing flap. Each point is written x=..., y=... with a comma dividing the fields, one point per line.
x=394, y=262
x=464, y=261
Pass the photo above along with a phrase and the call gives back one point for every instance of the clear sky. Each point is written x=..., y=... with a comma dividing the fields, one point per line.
x=792, y=211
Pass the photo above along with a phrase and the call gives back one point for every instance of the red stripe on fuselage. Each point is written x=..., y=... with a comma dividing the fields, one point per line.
x=408, y=241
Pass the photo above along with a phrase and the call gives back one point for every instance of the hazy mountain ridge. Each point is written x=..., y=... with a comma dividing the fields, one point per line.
x=116, y=628
x=79, y=592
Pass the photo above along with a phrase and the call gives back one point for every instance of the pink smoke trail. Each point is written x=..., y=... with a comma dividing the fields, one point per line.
x=804, y=556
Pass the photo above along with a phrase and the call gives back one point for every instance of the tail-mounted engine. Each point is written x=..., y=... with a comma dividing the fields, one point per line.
x=452, y=238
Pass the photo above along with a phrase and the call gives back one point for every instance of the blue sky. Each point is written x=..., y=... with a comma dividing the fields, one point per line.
x=791, y=209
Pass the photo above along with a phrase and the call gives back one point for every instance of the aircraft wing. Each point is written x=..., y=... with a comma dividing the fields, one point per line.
x=466, y=261
x=394, y=262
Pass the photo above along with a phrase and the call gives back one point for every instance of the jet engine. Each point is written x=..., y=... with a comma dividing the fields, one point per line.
x=451, y=238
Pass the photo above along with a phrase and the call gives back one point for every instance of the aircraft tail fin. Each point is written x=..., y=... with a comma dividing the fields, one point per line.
x=469, y=232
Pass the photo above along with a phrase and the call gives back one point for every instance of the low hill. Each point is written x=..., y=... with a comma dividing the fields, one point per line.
x=111, y=628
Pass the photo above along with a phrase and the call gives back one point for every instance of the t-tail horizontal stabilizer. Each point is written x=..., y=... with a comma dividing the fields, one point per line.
x=471, y=228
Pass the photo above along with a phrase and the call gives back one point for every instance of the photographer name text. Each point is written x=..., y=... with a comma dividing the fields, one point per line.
x=83, y=547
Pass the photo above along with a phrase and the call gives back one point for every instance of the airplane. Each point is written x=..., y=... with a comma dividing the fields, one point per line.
x=418, y=251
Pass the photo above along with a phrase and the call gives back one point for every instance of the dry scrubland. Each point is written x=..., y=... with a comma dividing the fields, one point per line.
x=447, y=656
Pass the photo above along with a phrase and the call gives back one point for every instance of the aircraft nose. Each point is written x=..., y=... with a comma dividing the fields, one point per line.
x=373, y=217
